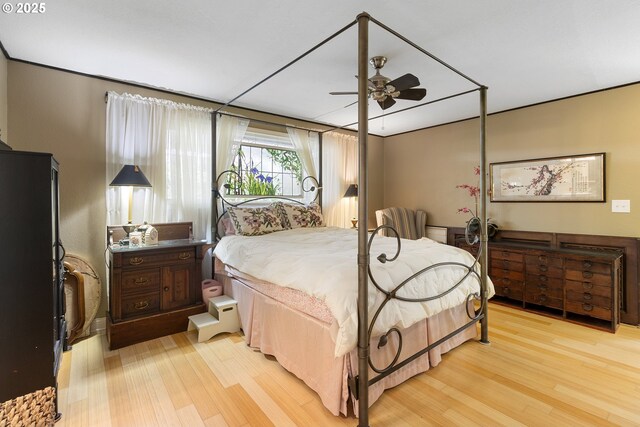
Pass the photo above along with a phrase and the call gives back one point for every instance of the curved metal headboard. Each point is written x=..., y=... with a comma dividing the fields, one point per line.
x=310, y=184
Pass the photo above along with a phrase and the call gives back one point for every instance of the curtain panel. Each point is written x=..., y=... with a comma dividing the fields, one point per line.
x=171, y=142
x=340, y=169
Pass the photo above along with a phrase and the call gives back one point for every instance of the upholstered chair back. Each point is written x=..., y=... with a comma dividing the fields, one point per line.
x=408, y=223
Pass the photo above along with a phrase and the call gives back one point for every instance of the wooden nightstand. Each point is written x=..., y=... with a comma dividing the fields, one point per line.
x=153, y=289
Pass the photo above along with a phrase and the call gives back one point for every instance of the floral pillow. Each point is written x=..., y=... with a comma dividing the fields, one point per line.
x=254, y=221
x=281, y=213
x=304, y=216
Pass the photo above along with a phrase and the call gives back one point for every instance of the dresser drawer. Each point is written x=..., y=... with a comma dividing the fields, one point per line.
x=588, y=309
x=509, y=288
x=141, y=259
x=141, y=281
x=587, y=287
x=505, y=264
x=551, y=287
x=588, y=277
x=545, y=270
x=542, y=298
x=496, y=254
x=137, y=305
x=543, y=259
x=588, y=265
x=500, y=273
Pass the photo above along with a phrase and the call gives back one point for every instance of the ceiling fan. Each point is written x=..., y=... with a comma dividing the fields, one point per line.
x=385, y=91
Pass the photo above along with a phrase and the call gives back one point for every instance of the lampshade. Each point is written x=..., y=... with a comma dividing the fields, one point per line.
x=352, y=191
x=130, y=175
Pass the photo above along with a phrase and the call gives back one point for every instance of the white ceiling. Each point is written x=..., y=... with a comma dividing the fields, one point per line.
x=525, y=51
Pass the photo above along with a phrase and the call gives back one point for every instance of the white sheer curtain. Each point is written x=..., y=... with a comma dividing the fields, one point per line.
x=171, y=143
x=306, y=144
x=229, y=133
x=340, y=169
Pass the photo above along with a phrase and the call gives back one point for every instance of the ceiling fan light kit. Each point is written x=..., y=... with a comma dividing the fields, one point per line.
x=384, y=90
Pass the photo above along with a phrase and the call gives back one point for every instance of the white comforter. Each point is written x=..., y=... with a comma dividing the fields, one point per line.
x=322, y=262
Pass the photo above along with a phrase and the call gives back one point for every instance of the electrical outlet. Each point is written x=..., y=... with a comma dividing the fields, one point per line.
x=623, y=206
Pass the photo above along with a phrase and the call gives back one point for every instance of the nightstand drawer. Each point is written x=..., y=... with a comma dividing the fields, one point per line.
x=141, y=281
x=141, y=259
x=137, y=305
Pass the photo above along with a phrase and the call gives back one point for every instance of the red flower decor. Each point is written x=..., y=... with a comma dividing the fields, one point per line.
x=474, y=191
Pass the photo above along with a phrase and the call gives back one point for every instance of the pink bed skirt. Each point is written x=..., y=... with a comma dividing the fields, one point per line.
x=304, y=346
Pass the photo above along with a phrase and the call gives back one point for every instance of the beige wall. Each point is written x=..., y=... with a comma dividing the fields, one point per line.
x=64, y=114
x=423, y=168
x=4, y=130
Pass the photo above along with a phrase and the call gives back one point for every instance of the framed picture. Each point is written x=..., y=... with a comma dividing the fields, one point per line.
x=579, y=178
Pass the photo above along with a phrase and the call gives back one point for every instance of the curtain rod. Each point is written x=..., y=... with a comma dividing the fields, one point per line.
x=269, y=123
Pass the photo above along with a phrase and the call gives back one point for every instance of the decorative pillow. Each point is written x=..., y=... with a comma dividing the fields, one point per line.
x=304, y=216
x=254, y=221
x=281, y=213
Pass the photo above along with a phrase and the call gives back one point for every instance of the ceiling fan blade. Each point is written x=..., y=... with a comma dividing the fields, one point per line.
x=415, y=94
x=343, y=93
x=404, y=82
x=386, y=103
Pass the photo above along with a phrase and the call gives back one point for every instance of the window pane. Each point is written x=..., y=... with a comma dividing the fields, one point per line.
x=265, y=171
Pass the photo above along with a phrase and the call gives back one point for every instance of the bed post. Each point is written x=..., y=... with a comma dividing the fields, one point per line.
x=484, y=322
x=363, y=250
x=214, y=183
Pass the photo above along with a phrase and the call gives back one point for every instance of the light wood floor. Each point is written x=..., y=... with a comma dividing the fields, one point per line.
x=536, y=372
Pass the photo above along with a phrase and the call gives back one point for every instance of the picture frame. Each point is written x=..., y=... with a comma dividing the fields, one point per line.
x=578, y=178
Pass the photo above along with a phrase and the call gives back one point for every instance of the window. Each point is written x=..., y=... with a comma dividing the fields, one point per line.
x=265, y=165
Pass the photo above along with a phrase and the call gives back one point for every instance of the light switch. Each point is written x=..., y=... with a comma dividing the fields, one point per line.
x=623, y=206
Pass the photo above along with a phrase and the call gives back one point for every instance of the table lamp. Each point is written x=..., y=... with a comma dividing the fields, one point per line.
x=352, y=191
x=130, y=176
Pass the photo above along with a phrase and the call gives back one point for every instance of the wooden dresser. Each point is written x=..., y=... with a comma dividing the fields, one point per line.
x=153, y=289
x=578, y=285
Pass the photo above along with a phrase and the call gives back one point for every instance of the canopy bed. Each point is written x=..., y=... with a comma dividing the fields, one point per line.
x=297, y=280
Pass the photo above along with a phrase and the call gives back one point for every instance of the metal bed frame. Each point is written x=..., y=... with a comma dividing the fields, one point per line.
x=360, y=384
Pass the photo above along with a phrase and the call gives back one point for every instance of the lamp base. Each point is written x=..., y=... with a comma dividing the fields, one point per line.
x=128, y=228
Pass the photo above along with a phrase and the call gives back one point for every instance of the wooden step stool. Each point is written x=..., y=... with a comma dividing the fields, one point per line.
x=221, y=317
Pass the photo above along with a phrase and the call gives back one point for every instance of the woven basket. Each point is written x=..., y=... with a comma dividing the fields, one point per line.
x=34, y=409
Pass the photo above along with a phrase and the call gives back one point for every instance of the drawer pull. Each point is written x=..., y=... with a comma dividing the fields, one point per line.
x=587, y=274
x=542, y=287
x=184, y=255
x=543, y=267
x=505, y=290
x=166, y=289
x=542, y=298
x=587, y=285
x=505, y=263
x=136, y=261
x=587, y=264
x=587, y=296
x=506, y=281
x=141, y=305
x=543, y=278
x=141, y=281
x=587, y=307
x=542, y=258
